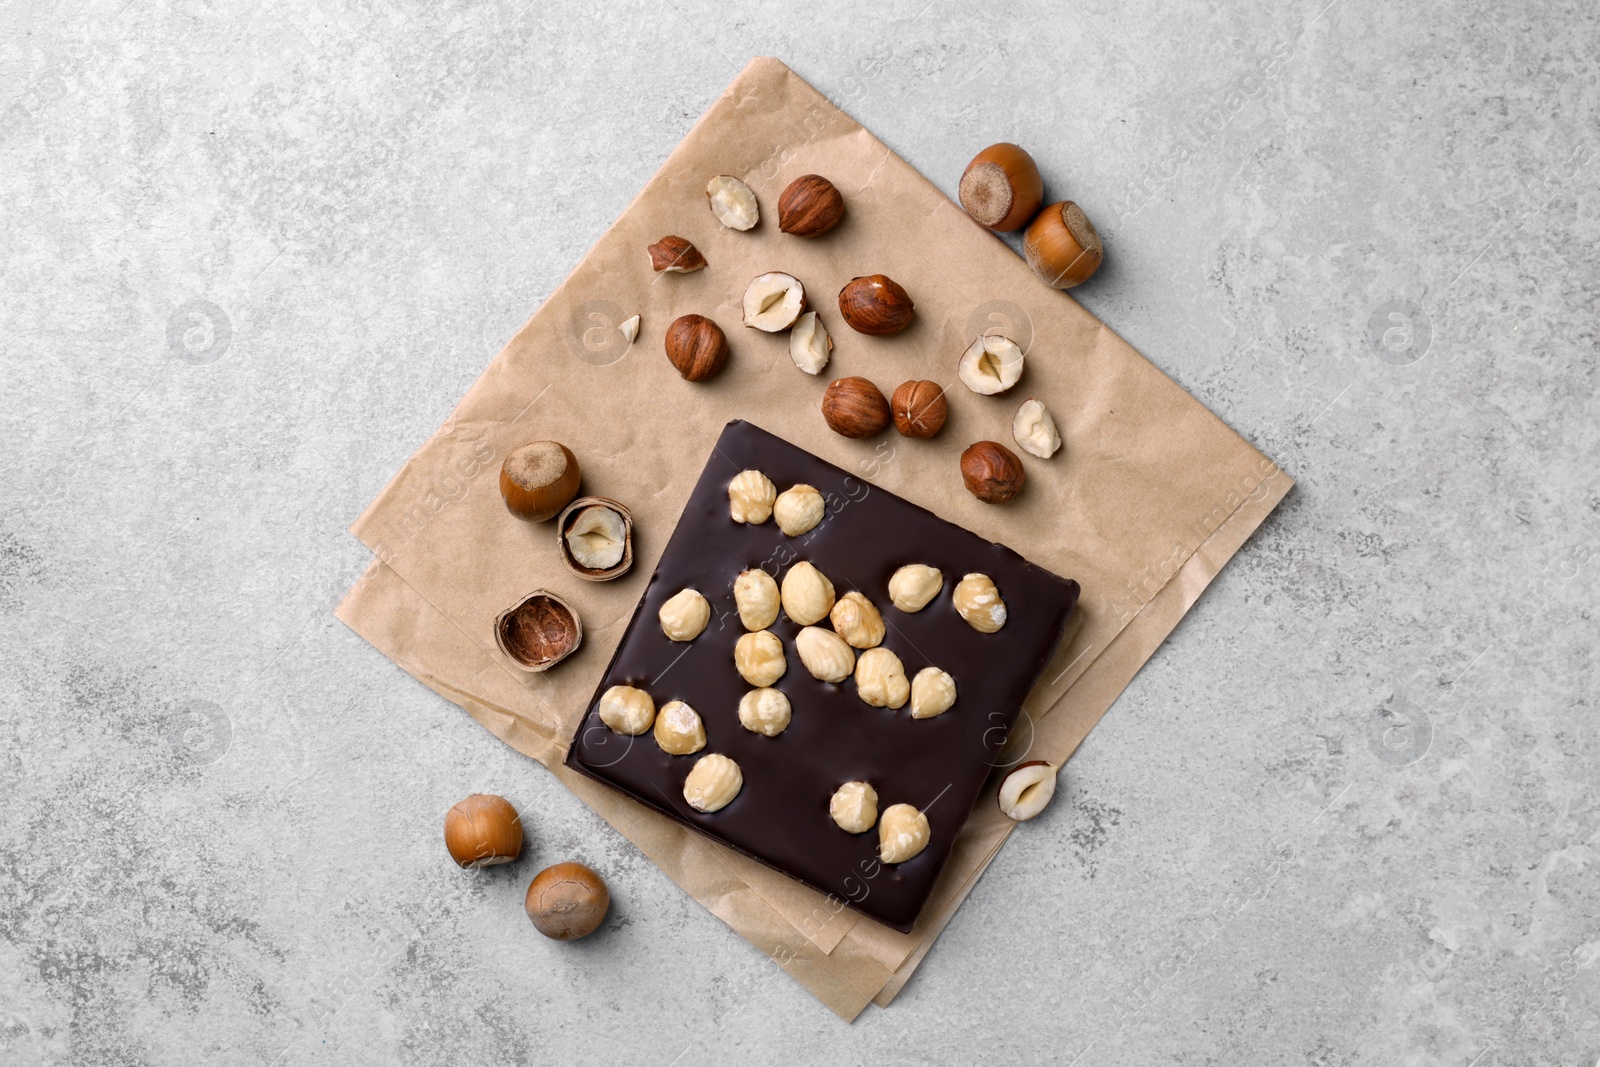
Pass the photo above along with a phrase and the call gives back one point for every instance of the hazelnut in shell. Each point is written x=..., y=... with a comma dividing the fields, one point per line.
x=810, y=206
x=992, y=472
x=876, y=305
x=539, y=631
x=538, y=479
x=854, y=407
x=482, y=831
x=696, y=346
x=1062, y=246
x=1001, y=187
x=595, y=537
x=919, y=408
x=567, y=901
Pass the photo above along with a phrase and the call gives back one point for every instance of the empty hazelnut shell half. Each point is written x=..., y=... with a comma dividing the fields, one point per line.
x=538, y=479
x=876, y=305
x=539, y=631
x=595, y=536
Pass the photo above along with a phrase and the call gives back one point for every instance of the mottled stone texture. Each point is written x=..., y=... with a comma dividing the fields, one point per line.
x=253, y=254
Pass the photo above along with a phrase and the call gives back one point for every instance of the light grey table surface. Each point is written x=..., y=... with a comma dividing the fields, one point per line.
x=254, y=253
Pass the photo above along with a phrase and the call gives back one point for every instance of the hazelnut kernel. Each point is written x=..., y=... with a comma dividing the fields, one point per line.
x=978, y=601
x=798, y=509
x=807, y=594
x=765, y=712
x=914, y=586
x=627, y=710
x=854, y=807
x=903, y=832
x=679, y=730
x=857, y=621
x=684, y=616
x=758, y=658
x=881, y=679
x=756, y=596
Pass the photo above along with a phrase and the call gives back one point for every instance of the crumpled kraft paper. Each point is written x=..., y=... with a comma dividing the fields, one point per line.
x=1149, y=497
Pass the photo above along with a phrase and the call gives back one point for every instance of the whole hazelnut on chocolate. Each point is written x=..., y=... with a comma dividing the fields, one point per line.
x=482, y=831
x=539, y=479
x=876, y=305
x=854, y=407
x=567, y=901
x=919, y=408
x=992, y=472
x=810, y=206
x=696, y=346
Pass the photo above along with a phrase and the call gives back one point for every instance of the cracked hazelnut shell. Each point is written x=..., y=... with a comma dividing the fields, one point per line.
x=538, y=479
x=854, y=407
x=992, y=472
x=876, y=305
x=566, y=529
x=539, y=631
x=696, y=346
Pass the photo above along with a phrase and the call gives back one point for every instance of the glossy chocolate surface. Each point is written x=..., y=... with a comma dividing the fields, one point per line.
x=939, y=765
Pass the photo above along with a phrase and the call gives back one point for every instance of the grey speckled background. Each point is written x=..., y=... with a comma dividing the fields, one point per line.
x=255, y=252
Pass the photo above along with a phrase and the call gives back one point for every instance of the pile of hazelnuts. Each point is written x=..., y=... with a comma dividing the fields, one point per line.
x=565, y=902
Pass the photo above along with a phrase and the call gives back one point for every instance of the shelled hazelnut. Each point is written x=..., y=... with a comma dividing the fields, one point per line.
x=913, y=586
x=825, y=654
x=809, y=343
x=809, y=206
x=798, y=509
x=807, y=594
x=881, y=679
x=992, y=472
x=773, y=302
x=854, y=807
x=919, y=408
x=876, y=305
x=1027, y=790
x=755, y=594
x=857, y=621
x=679, y=730
x=991, y=365
x=759, y=658
x=933, y=692
x=696, y=346
x=765, y=712
x=684, y=615
x=712, y=783
x=627, y=710
x=1035, y=430
x=750, y=497
x=854, y=407
x=732, y=202
x=903, y=832
x=978, y=601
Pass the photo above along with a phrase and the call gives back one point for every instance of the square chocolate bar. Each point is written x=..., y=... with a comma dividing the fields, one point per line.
x=781, y=813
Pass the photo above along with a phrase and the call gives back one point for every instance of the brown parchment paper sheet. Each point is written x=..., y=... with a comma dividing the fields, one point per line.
x=1147, y=479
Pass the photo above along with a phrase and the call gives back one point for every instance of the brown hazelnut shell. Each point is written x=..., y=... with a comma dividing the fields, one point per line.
x=992, y=472
x=591, y=574
x=919, y=408
x=810, y=206
x=696, y=346
x=567, y=901
x=854, y=407
x=482, y=831
x=538, y=631
x=1062, y=246
x=876, y=305
x=538, y=503
x=1001, y=187
x=676, y=255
